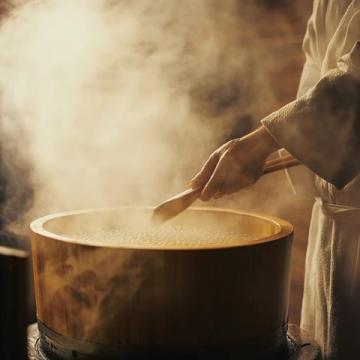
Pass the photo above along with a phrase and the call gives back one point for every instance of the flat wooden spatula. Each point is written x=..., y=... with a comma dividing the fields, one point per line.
x=175, y=205
x=178, y=203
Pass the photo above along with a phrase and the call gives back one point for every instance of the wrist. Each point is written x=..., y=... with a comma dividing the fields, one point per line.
x=265, y=141
x=271, y=144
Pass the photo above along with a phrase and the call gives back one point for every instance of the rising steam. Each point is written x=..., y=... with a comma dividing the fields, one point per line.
x=117, y=102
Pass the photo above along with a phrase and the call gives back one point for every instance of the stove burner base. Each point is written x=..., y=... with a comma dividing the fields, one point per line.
x=301, y=346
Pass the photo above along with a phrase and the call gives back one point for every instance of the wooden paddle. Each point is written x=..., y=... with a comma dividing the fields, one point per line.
x=178, y=203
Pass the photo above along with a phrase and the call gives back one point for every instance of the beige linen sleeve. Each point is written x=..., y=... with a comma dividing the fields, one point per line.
x=322, y=127
x=314, y=47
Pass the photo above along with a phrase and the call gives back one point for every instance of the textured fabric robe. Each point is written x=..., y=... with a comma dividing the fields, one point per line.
x=322, y=129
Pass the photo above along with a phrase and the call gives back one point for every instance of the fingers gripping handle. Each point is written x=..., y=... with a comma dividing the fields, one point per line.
x=178, y=203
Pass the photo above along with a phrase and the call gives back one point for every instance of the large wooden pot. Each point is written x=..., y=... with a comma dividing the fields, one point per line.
x=97, y=301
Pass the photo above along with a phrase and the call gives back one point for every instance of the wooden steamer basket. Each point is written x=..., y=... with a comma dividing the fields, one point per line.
x=224, y=302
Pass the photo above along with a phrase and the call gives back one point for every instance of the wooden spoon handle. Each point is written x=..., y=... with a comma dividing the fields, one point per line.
x=279, y=164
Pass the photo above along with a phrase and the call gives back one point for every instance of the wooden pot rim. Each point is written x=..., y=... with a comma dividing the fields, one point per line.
x=284, y=228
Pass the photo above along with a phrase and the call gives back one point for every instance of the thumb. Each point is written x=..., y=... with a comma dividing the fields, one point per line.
x=215, y=183
x=202, y=177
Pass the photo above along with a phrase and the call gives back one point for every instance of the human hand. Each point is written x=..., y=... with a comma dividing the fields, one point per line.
x=237, y=164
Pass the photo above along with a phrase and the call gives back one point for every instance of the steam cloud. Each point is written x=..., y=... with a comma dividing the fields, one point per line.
x=119, y=102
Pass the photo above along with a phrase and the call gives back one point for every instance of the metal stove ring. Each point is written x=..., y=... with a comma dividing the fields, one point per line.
x=54, y=346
